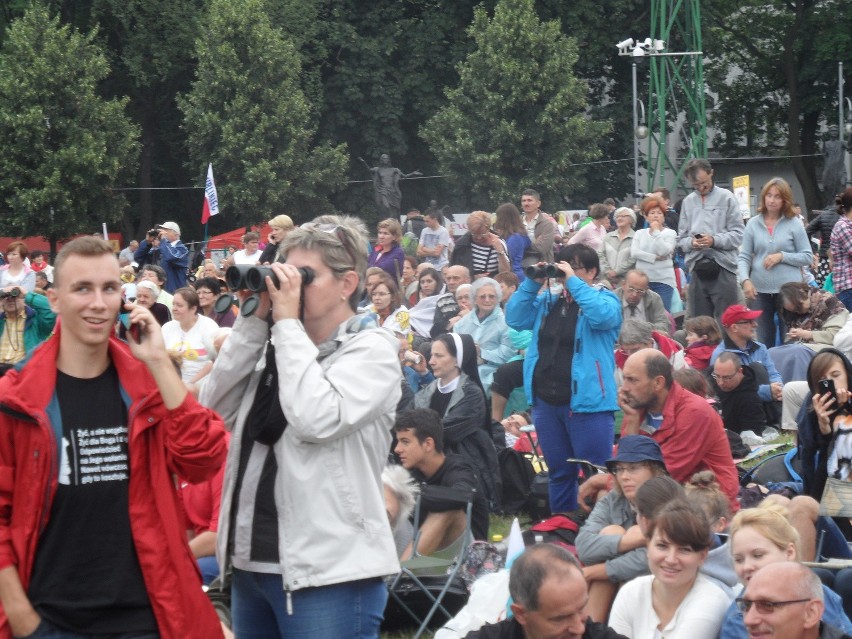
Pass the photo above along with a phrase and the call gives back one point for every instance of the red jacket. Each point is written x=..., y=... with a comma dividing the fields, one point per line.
x=665, y=344
x=698, y=355
x=188, y=441
x=692, y=438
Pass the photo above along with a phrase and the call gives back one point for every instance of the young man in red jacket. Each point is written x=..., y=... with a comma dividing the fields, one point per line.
x=91, y=430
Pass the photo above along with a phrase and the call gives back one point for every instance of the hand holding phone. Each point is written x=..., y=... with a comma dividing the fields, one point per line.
x=826, y=387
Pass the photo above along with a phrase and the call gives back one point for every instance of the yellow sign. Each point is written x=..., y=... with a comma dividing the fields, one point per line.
x=743, y=194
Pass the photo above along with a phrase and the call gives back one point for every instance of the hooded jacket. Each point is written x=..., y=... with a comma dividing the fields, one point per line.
x=188, y=441
x=340, y=402
x=598, y=325
x=814, y=447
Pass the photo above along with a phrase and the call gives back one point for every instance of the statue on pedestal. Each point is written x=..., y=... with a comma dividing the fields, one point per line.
x=386, y=186
x=834, y=169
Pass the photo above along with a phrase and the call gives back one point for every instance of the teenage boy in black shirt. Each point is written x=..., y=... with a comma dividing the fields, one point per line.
x=420, y=447
x=92, y=540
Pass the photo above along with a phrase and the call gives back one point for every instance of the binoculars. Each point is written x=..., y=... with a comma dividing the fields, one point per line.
x=253, y=278
x=15, y=292
x=548, y=270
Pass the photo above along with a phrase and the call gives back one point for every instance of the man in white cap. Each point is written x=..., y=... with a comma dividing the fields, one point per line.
x=174, y=256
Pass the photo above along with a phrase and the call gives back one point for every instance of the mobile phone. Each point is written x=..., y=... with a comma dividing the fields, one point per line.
x=698, y=236
x=826, y=386
x=134, y=330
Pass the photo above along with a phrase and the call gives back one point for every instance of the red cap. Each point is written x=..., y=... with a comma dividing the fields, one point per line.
x=738, y=313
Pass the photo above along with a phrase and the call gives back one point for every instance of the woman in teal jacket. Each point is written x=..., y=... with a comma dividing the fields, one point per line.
x=568, y=369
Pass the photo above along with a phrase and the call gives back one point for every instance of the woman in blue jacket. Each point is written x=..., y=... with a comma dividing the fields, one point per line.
x=568, y=369
x=775, y=248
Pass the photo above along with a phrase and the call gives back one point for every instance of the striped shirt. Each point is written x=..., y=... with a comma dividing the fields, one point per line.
x=841, y=254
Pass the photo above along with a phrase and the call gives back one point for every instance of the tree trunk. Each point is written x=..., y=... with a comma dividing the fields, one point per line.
x=800, y=134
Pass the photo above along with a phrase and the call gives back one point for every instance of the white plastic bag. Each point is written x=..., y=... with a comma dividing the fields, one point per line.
x=487, y=604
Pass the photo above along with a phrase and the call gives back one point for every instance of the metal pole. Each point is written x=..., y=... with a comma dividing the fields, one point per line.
x=840, y=123
x=635, y=139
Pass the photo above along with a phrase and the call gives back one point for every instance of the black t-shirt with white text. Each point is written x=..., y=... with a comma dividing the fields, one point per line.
x=86, y=576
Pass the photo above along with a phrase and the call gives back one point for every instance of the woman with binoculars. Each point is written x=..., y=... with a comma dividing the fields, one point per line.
x=568, y=365
x=309, y=389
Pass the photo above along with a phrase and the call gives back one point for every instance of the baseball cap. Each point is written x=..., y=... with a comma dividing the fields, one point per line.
x=171, y=226
x=634, y=449
x=738, y=313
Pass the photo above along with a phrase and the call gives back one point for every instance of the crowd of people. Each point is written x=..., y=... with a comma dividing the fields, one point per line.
x=285, y=447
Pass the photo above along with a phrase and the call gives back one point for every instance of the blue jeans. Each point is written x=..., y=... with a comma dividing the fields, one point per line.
x=846, y=298
x=767, y=331
x=259, y=608
x=564, y=434
x=209, y=568
x=47, y=630
x=665, y=291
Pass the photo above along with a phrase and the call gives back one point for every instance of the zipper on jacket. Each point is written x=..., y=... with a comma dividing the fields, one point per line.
x=600, y=377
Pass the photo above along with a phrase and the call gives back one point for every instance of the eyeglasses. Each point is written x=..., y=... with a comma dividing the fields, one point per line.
x=725, y=378
x=380, y=294
x=765, y=607
x=637, y=291
x=702, y=183
x=620, y=469
x=750, y=322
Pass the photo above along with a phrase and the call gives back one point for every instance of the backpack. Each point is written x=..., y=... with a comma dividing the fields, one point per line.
x=517, y=473
x=409, y=241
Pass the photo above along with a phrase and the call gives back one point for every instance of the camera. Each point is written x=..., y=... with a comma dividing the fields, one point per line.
x=152, y=233
x=534, y=271
x=15, y=292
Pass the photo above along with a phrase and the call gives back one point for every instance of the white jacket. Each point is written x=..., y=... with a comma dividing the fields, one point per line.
x=333, y=527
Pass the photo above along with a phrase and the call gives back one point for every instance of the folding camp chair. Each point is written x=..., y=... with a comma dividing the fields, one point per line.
x=434, y=579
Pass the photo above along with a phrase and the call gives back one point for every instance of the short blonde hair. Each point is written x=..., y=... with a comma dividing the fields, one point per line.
x=282, y=221
x=393, y=227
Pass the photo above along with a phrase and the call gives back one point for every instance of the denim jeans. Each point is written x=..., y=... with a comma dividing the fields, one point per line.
x=259, y=608
x=47, y=630
x=767, y=331
x=563, y=434
x=209, y=568
x=665, y=291
x=846, y=298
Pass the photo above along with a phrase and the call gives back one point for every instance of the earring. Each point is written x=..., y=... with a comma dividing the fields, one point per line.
x=342, y=298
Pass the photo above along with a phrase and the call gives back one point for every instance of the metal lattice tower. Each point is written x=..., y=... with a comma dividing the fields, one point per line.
x=677, y=118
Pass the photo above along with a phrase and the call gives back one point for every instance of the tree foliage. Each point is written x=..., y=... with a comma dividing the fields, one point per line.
x=63, y=145
x=775, y=71
x=518, y=117
x=248, y=115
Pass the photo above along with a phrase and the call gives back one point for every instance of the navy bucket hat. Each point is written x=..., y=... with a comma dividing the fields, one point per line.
x=634, y=449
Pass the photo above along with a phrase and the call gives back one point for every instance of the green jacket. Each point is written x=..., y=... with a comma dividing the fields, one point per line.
x=39, y=322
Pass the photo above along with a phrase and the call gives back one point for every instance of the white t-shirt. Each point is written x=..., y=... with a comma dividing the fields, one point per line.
x=240, y=257
x=195, y=345
x=699, y=615
x=431, y=239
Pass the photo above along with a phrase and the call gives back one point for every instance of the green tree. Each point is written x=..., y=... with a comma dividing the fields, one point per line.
x=151, y=49
x=63, y=145
x=248, y=115
x=518, y=117
x=776, y=76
